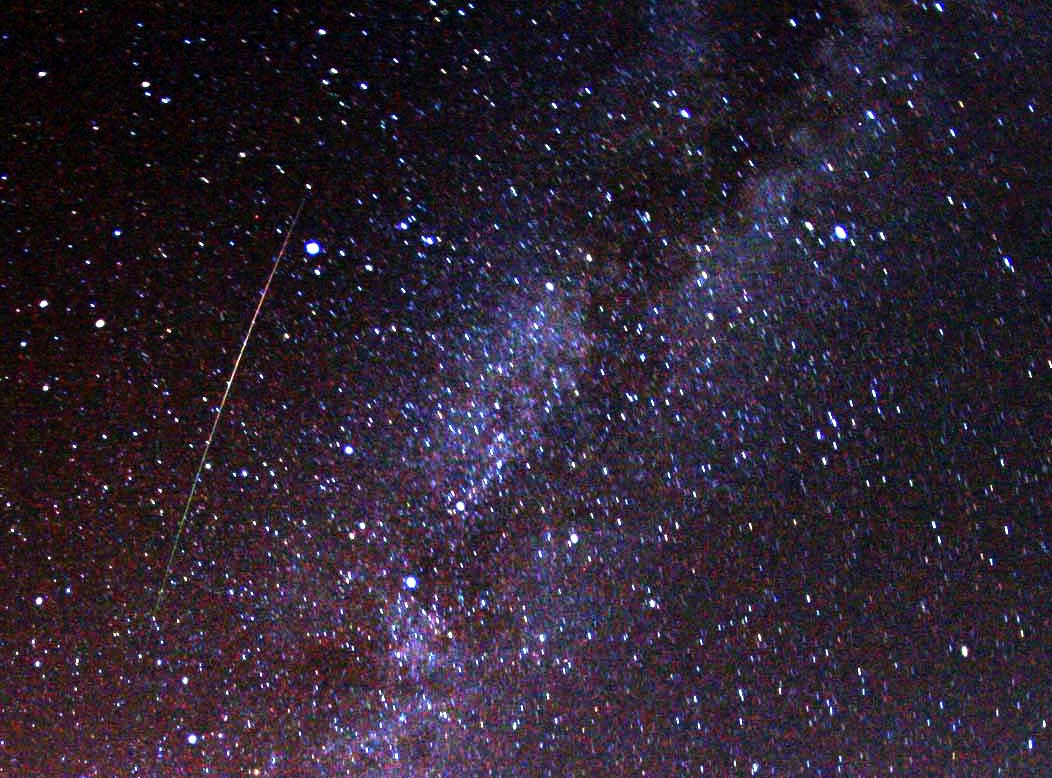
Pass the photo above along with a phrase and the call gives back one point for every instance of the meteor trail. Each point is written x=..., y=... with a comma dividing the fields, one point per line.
x=219, y=413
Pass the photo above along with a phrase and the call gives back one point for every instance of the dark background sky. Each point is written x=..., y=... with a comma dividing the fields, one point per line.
x=670, y=395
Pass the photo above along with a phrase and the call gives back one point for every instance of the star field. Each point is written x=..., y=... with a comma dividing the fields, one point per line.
x=648, y=389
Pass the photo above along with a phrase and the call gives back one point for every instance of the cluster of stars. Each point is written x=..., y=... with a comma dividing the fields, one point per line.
x=650, y=389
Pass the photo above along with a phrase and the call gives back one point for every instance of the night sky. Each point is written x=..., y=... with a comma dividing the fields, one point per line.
x=648, y=389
